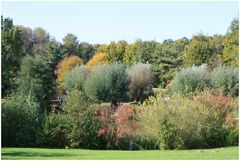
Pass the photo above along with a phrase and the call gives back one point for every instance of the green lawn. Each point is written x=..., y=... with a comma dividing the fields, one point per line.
x=43, y=154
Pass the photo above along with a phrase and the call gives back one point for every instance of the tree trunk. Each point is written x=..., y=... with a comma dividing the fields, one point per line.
x=114, y=102
x=139, y=95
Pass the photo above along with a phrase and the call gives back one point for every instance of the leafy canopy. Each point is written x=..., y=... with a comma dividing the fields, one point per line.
x=66, y=65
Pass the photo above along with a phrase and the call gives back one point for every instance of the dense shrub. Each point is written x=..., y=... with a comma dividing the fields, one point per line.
x=76, y=78
x=224, y=127
x=107, y=83
x=54, y=133
x=75, y=127
x=119, y=126
x=141, y=79
x=66, y=65
x=191, y=79
x=82, y=121
x=108, y=130
x=20, y=121
x=225, y=80
x=171, y=127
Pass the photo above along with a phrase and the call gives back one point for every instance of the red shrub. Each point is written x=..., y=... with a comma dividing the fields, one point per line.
x=124, y=121
x=218, y=104
x=117, y=123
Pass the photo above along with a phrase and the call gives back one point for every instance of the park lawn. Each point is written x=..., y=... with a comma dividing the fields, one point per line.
x=77, y=154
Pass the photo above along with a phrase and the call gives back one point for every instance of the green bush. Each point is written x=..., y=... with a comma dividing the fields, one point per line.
x=107, y=83
x=55, y=131
x=20, y=121
x=170, y=125
x=75, y=127
x=191, y=79
x=83, y=121
x=225, y=80
x=233, y=124
x=179, y=122
x=232, y=138
x=75, y=78
x=96, y=86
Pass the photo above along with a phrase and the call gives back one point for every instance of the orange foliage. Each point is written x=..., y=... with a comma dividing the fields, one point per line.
x=66, y=65
x=98, y=58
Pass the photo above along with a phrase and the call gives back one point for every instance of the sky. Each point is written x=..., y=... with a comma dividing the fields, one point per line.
x=103, y=22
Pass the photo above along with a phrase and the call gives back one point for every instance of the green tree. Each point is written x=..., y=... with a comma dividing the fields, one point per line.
x=192, y=79
x=216, y=41
x=225, y=80
x=139, y=51
x=27, y=38
x=86, y=51
x=167, y=59
x=145, y=50
x=37, y=78
x=76, y=78
x=130, y=54
x=70, y=43
x=230, y=53
x=115, y=51
x=198, y=51
x=40, y=40
x=12, y=54
x=53, y=53
x=107, y=83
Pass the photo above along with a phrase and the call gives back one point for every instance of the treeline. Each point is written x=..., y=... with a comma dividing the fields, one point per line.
x=166, y=57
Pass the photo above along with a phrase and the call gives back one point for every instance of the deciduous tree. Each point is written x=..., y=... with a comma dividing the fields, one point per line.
x=66, y=65
x=97, y=59
x=231, y=43
x=141, y=79
x=198, y=51
x=11, y=45
x=70, y=43
x=75, y=78
x=40, y=40
x=107, y=83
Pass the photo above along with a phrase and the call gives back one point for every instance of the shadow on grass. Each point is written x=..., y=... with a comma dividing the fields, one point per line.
x=39, y=154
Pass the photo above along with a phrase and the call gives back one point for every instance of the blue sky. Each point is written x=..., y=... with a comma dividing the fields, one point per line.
x=102, y=22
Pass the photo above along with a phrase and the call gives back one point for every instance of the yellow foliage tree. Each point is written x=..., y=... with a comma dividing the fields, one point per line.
x=231, y=45
x=66, y=65
x=102, y=48
x=98, y=58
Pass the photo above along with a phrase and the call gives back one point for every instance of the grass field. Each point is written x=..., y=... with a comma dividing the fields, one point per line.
x=77, y=154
